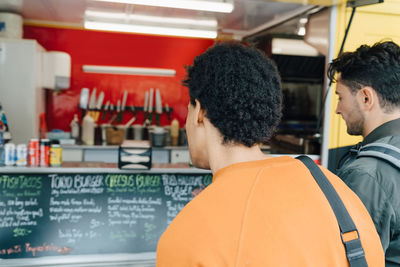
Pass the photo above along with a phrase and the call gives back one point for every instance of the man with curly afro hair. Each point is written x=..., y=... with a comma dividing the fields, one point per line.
x=259, y=210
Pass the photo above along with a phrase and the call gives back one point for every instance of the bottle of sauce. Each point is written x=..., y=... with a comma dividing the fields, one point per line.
x=88, y=126
x=174, y=132
x=75, y=128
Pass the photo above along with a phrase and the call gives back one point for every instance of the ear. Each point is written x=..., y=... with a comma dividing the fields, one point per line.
x=199, y=114
x=367, y=98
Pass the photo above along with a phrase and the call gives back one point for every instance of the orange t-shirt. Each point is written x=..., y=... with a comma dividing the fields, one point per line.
x=265, y=213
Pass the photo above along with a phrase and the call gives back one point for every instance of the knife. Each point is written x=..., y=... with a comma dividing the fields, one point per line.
x=111, y=110
x=168, y=111
x=151, y=104
x=123, y=105
x=133, y=110
x=99, y=104
x=83, y=101
x=105, y=110
x=92, y=103
x=118, y=111
x=158, y=107
x=145, y=107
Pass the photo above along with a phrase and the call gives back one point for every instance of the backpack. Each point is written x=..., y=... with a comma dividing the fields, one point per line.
x=385, y=152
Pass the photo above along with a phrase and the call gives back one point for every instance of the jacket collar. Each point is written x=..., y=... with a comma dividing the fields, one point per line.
x=387, y=129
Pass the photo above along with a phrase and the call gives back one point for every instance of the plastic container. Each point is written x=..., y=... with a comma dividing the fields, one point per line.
x=11, y=25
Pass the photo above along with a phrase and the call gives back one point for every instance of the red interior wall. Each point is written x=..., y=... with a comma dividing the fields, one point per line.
x=117, y=49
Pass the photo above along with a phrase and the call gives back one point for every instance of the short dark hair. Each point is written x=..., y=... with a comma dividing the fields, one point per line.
x=377, y=66
x=239, y=88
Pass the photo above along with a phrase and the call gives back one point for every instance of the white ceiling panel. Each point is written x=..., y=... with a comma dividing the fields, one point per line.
x=246, y=16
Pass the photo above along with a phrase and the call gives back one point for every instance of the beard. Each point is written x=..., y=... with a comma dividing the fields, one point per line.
x=356, y=127
x=355, y=124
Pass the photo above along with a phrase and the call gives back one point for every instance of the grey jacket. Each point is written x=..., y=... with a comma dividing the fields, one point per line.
x=377, y=184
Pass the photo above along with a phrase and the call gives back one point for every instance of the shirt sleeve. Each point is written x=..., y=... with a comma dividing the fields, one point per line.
x=374, y=199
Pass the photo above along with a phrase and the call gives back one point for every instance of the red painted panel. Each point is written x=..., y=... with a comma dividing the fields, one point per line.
x=117, y=49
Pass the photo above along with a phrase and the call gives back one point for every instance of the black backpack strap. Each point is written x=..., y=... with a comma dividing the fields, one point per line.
x=352, y=152
x=386, y=152
x=354, y=250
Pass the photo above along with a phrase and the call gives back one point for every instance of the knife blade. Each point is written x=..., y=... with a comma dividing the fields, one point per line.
x=84, y=98
x=124, y=100
x=119, y=110
x=158, y=107
x=83, y=101
x=145, y=107
x=151, y=104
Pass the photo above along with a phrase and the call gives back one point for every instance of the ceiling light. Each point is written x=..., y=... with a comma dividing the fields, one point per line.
x=213, y=6
x=92, y=14
x=120, y=27
x=301, y=31
x=303, y=20
x=281, y=46
x=128, y=70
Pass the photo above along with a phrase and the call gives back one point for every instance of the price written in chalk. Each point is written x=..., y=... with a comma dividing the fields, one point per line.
x=69, y=213
x=21, y=232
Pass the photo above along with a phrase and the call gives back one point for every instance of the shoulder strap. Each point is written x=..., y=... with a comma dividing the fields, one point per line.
x=354, y=250
x=386, y=152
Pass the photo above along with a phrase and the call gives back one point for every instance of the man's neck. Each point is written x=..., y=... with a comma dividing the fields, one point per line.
x=222, y=156
x=376, y=120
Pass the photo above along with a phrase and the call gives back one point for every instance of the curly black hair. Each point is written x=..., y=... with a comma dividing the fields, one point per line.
x=240, y=90
x=377, y=66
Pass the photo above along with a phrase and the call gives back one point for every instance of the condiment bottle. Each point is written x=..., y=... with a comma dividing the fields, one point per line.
x=174, y=132
x=88, y=126
x=75, y=127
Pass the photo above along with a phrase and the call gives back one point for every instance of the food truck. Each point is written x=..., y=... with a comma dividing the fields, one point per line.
x=75, y=90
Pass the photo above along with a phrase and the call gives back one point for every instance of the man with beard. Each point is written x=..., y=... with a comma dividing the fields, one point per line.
x=368, y=86
x=259, y=210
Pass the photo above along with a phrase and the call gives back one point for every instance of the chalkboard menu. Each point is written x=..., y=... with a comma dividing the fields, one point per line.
x=96, y=213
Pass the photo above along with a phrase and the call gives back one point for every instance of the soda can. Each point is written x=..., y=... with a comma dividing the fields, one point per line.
x=9, y=154
x=44, y=153
x=33, y=153
x=22, y=153
x=55, y=155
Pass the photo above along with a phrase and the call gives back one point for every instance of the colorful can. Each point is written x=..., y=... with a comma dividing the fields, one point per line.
x=9, y=154
x=22, y=153
x=55, y=155
x=33, y=152
x=44, y=153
